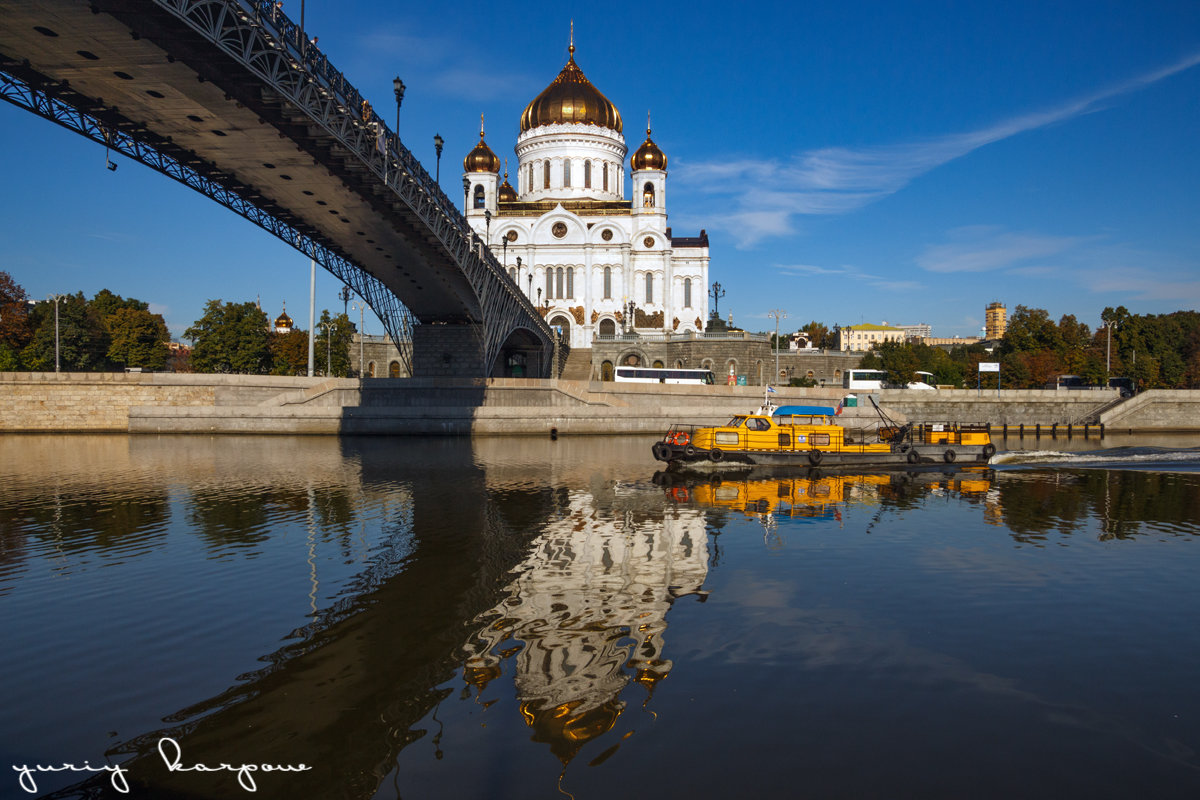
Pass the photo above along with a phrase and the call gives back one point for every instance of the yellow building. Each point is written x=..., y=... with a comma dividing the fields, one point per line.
x=996, y=321
x=868, y=336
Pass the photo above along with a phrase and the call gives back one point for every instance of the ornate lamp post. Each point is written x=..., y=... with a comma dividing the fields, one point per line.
x=56, y=299
x=345, y=295
x=466, y=193
x=487, y=226
x=716, y=293
x=778, y=315
x=438, y=143
x=398, y=88
x=329, y=328
x=631, y=315
x=529, y=294
x=361, y=334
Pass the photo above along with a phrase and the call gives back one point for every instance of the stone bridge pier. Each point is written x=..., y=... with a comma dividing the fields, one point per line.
x=458, y=351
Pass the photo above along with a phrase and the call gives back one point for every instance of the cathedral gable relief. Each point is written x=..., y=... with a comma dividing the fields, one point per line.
x=577, y=313
x=675, y=324
x=643, y=320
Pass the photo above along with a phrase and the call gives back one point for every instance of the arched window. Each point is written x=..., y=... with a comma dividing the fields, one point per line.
x=370, y=369
x=570, y=283
x=658, y=364
x=512, y=274
x=587, y=174
x=608, y=283
x=687, y=292
x=549, y=282
x=394, y=369
x=545, y=174
x=608, y=327
x=648, y=195
x=606, y=176
x=529, y=183
x=606, y=370
x=567, y=172
x=479, y=201
x=558, y=283
x=649, y=287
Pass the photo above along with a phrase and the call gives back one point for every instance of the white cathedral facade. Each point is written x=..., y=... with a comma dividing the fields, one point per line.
x=594, y=263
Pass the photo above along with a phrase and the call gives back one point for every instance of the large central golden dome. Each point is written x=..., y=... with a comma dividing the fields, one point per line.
x=571, y=98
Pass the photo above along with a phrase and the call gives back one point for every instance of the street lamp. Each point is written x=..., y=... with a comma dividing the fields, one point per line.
x=438, y=143
x=361, y=334
x=528, y=294
x=345, y=295
x=398, y=88
x=466, y=193
x=56, y=299
x=631, y=311
x=778, y=315
x=329, y=328
x=487, y=227
x=1108, y=350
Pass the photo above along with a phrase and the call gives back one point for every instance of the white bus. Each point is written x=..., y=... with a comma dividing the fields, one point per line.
x=663, y=375
x=868, y=379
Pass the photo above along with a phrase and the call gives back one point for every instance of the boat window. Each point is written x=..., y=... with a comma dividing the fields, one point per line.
x=736, y=422
x=758, y=424
x=785, y=440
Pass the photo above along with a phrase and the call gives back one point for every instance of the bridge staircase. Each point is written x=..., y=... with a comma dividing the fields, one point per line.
x=578, y=366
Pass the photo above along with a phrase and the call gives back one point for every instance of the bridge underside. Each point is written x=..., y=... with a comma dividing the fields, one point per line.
x=222, y=96
x=447, y=351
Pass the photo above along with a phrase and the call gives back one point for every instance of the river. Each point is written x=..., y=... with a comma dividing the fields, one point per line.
x=527, y=618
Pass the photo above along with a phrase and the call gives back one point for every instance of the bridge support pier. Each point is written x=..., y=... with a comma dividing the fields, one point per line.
x=456, y=351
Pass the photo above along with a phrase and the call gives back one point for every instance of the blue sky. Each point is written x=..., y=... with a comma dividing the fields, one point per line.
x=907, y=162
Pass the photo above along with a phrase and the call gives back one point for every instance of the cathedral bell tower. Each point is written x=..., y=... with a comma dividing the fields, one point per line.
x=648, y=167
x=481, y=178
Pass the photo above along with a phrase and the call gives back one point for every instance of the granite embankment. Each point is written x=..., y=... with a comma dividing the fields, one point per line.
x=178, y=403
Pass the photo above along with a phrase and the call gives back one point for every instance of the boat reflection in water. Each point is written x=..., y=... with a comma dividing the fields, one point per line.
x=819, y=495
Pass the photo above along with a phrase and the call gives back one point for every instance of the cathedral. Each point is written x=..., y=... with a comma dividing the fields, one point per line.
x=595, y=264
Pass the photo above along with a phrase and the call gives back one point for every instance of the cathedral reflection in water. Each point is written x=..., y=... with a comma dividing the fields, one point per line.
x=585, y=615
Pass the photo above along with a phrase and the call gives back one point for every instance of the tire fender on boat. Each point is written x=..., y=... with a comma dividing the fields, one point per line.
x=814, y=457
x=661, y=451
x=913, y=456
x=949, y=456
x=989, y=450
x=689, y=451
x=716, y=454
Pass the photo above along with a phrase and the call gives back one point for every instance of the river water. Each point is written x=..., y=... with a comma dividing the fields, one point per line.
x=519, y=618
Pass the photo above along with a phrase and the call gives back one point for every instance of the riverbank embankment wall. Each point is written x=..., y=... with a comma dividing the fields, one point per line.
x=189, y=403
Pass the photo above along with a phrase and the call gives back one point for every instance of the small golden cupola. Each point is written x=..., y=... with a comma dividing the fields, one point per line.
x=283, y=323
x=481, y=159
x=507, y=193
x=648, y=156
x=571, y=99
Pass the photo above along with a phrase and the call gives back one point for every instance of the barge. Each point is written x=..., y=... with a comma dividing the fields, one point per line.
x=808, y=436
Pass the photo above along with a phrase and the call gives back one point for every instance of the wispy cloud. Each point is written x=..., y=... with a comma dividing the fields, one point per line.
x=770, y=193
x=850, y=273
x=982, y=248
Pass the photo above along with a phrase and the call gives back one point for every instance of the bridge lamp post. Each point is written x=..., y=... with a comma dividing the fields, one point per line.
x=529, y=294
x=329, y=328
x=438, y=144
x=398, y=88
x=778, y=315
x=56, y=299
x=361, y=333
x=487, y=226
x=466, y=193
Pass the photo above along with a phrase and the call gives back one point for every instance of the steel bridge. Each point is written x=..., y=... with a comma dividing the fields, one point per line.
x=229, y=97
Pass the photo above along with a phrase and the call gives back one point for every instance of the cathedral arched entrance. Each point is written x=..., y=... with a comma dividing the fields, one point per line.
x=562, y=324
x=608, y=328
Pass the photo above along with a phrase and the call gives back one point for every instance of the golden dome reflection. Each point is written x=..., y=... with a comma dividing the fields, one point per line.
x=571, y=99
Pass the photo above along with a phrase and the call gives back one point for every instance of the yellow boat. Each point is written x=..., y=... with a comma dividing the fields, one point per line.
x=808, y=436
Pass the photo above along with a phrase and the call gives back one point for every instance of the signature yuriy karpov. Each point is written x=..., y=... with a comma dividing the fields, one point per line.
x=172, y=756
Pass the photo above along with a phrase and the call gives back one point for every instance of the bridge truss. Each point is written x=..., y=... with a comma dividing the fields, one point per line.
x=265, y=43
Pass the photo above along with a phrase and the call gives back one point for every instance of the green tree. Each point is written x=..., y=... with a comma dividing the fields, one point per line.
x=82, y=339
x=138, y=339
x=230, y=337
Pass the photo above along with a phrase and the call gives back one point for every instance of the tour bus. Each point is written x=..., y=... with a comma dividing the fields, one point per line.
x=663, y=375
x=868, y=379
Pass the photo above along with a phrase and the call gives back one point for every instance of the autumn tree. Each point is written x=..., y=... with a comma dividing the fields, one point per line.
x=15, y=329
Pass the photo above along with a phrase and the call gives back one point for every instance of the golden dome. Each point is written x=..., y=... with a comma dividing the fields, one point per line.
x=571, y=99
x=507, y=193
x=481, y=159
x=648, y=156
x=283, y=320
